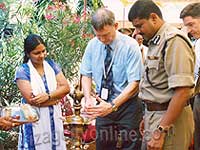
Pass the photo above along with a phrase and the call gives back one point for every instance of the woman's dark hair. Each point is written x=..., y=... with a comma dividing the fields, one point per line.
x=30, y=43
x=142, y=9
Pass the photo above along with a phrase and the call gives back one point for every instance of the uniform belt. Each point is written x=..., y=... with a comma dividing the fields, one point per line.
x=153, y=106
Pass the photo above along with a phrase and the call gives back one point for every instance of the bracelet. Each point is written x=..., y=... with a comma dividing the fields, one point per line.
x=57, y=102
x=163, y=129
x=114, y=107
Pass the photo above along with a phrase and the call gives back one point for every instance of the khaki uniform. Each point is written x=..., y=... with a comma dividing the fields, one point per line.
x=176, y=69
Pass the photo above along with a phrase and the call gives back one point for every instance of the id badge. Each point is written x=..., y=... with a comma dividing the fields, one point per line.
x=104, y=93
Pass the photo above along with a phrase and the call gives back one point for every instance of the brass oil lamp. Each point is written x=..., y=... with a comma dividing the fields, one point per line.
x=75, y=123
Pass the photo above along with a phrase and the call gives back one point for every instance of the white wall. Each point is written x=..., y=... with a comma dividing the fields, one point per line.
x=170, y=10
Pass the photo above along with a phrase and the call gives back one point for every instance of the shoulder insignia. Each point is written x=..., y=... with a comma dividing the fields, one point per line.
x=156, y=40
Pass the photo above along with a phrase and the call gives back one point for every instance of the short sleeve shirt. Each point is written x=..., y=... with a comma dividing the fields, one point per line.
x=127, y=64
x=197, y=52
x=176, y=69
x=23, y=72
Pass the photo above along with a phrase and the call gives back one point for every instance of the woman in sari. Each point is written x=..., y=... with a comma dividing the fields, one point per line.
x=42, y=85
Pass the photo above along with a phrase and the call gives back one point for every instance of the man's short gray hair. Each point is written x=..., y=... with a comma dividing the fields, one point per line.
x=192, y=10
x=101, y=18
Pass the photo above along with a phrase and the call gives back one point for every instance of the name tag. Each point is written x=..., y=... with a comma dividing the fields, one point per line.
x=104, y=93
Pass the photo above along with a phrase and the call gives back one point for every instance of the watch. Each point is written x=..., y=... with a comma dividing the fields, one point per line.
x=163, y=129
x=114, y=107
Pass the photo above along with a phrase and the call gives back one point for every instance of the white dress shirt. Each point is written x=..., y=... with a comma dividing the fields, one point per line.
x=197, y=53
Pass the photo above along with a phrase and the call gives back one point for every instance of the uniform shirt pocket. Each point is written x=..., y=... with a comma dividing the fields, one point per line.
x=153, y=64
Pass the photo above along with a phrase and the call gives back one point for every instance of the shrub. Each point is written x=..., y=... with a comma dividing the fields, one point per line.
x=65, y=33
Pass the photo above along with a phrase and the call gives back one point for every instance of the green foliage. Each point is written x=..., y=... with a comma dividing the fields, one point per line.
x=8, y=139
x=65, y=33
x=91, y=6
x=66, y=41
x=9, y=59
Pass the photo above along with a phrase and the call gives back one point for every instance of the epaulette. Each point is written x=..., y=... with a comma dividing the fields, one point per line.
x=171, y=36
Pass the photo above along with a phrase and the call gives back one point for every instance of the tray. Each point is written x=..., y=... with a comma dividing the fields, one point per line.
x=25, y=112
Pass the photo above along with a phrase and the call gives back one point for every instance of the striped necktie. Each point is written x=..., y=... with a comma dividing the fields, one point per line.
x=107, y=81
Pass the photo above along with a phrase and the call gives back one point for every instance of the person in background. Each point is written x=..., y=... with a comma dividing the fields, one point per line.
x=191, y=19
x=139, y=38
x=42, y=85
x=113, y=61
x=126, y=31
x=168, y=81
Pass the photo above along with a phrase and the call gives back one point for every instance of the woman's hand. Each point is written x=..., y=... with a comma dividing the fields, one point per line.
x=39, y=99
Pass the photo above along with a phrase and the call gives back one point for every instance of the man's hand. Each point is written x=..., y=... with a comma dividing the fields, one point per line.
x=100, y=110
x=156, y=144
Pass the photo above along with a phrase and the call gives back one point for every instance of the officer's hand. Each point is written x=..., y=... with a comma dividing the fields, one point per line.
x=156, y=144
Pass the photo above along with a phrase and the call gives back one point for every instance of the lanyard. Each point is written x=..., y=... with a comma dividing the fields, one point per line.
x=105, y=73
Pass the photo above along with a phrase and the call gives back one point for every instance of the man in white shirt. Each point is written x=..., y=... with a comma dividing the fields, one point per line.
x=191, y=19
x=139, y=38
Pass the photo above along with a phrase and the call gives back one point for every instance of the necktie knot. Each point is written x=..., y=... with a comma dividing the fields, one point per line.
x=108, y=48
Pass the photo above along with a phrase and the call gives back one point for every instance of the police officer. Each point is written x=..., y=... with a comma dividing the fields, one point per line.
x=167, y=82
